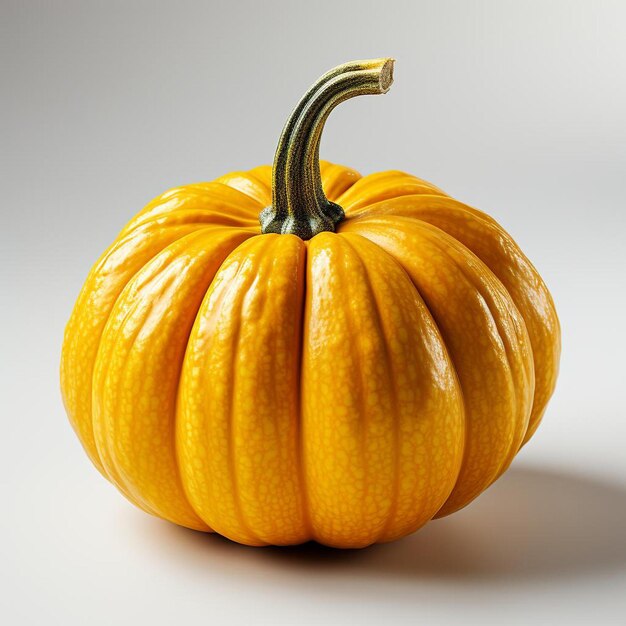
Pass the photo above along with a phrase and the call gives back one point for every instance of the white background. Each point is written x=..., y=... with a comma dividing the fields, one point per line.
x=518, y=108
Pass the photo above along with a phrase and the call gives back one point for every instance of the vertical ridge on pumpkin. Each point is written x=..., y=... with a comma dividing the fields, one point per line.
x=493, y=245
x=205, y=404
x=138, y=367
x=337, y=375
x=300, y=447
x=104, y=437
x=238, y=401
x=388, y=364
x=122, y=260
x=343, y=334
x=479, y=323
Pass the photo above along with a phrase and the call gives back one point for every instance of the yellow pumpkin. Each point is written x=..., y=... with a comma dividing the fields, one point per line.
x=366, y=355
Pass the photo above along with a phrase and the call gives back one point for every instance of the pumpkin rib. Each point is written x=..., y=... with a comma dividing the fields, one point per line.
x=252, y=539
x=272, y=243
x=200, y=234
x=369, y=227
x=301, y=447
x=102, y=364
x=514, y=445
x=451, y=364
x=84, y=332
x=453, y=367
x=366, y=418
x=324, y=531
x=231, y=455
x=383, y=186
x=109, y=463
x=261, y=436
x=237, y=210
x=543, y=393
x=515, y=441
x=183, y=270
x=393, y=397
x=249, y=184
x=385, y=535
x=176, y=448
x=496, y=248
x=427, y=390
x=376, y=318
x=493, y=279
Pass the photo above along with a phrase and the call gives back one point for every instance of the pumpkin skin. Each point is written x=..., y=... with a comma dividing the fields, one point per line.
x=345, y=389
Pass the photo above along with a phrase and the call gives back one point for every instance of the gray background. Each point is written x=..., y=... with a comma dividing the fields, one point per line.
x=518, y=108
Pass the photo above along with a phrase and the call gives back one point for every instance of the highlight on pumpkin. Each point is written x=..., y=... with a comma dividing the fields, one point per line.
x=298, y=352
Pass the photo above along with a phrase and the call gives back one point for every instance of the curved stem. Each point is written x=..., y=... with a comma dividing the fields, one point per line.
x=299, y=205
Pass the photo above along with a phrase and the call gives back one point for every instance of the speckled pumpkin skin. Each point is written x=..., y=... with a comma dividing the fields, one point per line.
x=345, y=389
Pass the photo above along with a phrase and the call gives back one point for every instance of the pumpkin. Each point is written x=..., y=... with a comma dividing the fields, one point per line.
x=298, y=352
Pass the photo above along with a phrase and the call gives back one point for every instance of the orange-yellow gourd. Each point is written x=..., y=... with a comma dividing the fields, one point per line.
x=372, y=354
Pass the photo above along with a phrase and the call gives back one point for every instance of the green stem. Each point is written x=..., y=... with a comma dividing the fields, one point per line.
x=299, y=205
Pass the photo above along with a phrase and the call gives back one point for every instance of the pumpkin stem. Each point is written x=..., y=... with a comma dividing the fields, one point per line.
x=299, y=205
